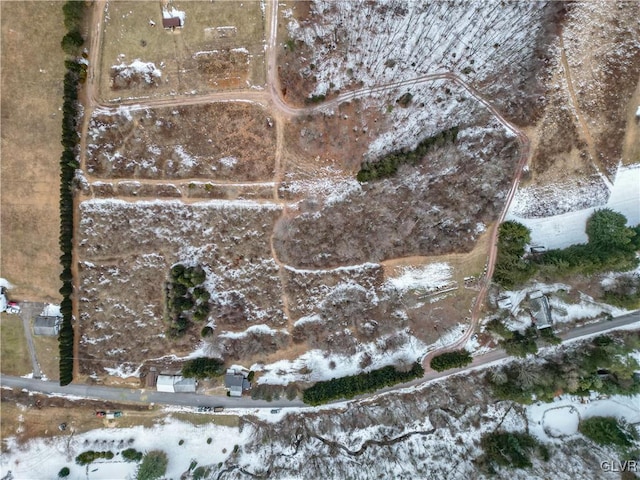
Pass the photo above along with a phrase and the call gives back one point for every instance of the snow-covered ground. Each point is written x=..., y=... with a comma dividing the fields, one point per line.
x=427, y=278
x=318, y=365
x=560, y=231
x=44, y=457
x=551, y=422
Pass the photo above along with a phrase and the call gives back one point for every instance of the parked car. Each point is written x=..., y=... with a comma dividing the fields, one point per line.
x=218, y=409
x=117, y=414
x=275, y=410
x=101, y=414
x=204, y=409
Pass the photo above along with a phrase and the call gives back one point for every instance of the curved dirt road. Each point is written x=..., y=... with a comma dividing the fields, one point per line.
x=271, y=98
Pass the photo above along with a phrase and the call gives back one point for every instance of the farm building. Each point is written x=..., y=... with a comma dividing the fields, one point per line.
x=47, y=325
x=172, y=22
x=236, y=382
x=540, y=310
x=175, y=384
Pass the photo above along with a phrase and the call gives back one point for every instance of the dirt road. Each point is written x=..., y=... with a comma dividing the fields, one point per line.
x=271, y=98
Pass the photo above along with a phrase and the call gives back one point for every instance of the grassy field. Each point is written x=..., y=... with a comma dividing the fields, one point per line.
x=219, y=47
x=31, y=98
x=15, y=355
x=47, y=353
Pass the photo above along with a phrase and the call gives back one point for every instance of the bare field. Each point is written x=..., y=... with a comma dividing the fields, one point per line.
x=32, y=64
x=129, y=247
x=221, y=46
x=217, y=141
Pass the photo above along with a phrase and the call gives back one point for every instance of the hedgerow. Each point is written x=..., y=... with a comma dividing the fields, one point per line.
x=349, y=387
x=73, y=16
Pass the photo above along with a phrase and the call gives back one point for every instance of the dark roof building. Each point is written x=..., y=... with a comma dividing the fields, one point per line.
x=172, y=22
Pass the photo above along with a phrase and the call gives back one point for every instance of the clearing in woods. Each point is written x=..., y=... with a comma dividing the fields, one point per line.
x=31, y=101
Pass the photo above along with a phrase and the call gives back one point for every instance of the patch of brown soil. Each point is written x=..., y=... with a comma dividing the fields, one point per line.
x=218, y=141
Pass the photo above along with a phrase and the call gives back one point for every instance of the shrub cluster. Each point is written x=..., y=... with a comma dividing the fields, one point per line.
x=447, y=360
x=73, y=14
x=575, y=372
x=203, y=367
x=388, y=165
x=509, y=449
x=131, y=455
x=349, y=387
x=607, y=431
x=85, y=458
x=187, y=299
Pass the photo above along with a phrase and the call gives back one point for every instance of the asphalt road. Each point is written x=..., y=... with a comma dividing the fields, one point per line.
x=192, y=399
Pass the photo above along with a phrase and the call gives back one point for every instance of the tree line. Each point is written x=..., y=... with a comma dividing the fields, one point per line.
x=73, y=15
x=350, y=386
x=447, y=360
x=612, y=246
x=388, y=165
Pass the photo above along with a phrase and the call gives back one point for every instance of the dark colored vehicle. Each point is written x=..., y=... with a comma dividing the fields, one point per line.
x=218, y=409
x=204, y=409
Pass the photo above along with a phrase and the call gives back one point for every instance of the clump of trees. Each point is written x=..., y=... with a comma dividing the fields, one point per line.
x=511, y=268
x=64, y=472
x=612, y=246
x=447, y=360
x=603, y=365
x=73, y=16
x=509, y=449
x=132, y=455
x=186, y=298
x=388, y=165
x=203, y=367
x=153, y=466
x=85, y=458
x=350, y=386
x=608, y=431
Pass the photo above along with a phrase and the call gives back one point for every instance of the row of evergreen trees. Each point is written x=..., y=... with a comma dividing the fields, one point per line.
x=73, y=13
x=388, y=165
x=349, y=387
x=447, y=360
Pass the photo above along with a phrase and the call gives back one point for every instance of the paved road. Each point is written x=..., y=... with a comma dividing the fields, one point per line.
x=190, y=399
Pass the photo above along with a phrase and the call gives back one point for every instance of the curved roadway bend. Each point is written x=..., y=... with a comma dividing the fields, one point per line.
x=116, y=394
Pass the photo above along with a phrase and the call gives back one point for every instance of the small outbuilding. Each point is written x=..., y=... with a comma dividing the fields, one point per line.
x=235, y=382
x=48, y=326
x=175, y=384
x=172, y=22
x=540, y=310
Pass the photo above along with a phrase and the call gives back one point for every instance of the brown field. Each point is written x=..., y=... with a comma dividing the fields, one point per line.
x=217, y=141
x=220, y=47
x=15, y=359
x=129, y=247
x=48, y=355
x=32, y=64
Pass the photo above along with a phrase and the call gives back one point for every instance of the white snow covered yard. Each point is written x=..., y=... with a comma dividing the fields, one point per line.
x=560, y=231
x=44, y=457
